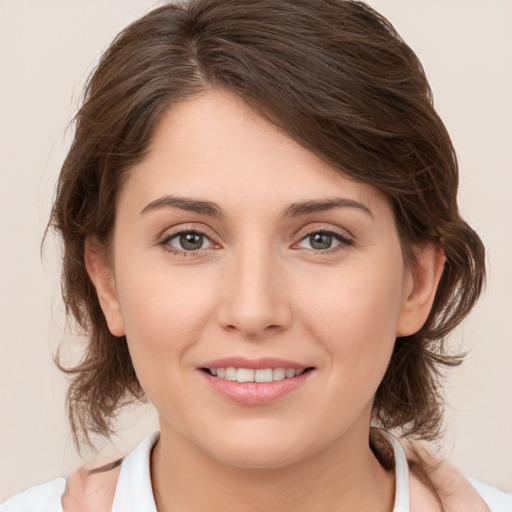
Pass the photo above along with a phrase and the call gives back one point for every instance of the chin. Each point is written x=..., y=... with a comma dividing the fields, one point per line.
x=260, y=452
x=259, y=458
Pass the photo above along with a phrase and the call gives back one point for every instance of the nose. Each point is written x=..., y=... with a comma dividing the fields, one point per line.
x=255, y=302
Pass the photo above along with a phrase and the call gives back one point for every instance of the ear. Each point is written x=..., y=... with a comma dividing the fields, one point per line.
x=420, y=288
x=102, y=275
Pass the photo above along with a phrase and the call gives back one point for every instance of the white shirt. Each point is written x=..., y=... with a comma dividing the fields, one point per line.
x=134, y=491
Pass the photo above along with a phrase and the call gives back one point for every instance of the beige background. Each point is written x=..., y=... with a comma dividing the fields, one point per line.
x=46, y=48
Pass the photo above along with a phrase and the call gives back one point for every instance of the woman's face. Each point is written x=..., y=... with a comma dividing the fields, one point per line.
x=236, y=248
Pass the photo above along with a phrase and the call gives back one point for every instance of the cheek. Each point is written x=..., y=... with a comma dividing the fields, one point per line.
x=354, y=314
x=163, y=315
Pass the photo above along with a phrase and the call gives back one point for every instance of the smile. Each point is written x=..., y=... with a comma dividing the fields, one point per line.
x=255, y=382
x=250, y=375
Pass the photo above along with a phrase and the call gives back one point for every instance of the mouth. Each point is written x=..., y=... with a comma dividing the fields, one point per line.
x=255, y=382
x=260, y=375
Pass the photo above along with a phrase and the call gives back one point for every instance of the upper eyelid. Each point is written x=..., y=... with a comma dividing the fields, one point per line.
x=299, y=235
x=165, y=242
x=318, y=228
x=174, y=236
x=171, y=236
x=344, y=238
x=173, y=231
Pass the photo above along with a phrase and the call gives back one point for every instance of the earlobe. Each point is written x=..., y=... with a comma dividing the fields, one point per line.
x=102, y=276
x=420, y=289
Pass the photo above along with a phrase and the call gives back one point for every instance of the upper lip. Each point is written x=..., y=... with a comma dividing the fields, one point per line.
x=254, y=364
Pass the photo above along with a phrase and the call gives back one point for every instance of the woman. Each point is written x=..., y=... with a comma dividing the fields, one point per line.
x=259, y=219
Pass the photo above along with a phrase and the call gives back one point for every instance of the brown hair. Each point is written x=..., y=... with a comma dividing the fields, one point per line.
x=336, y=77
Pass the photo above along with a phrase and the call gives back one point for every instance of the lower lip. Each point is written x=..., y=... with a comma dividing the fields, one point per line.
x=255, y=393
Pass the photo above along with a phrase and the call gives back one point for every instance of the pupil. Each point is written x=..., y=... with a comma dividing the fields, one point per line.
x=191, y=241
x=321, y=241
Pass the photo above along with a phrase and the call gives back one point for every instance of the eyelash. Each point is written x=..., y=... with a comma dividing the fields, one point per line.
x=165, y=242
x=342, y=238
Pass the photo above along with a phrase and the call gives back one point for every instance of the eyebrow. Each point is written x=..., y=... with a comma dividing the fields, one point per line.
x=214, y=210
x=185, y=203
x=303, y=208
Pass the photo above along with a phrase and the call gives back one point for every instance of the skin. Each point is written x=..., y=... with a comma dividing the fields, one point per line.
x=86, y=491
x=258, y=288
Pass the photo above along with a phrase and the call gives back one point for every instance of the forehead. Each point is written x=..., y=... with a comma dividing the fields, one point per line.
x=214, y=145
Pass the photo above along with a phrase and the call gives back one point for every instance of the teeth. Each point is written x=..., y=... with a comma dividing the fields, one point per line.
x=245, y=375
x=250, y=375
x=278, y=373
x=263, y=375
x=290, y=372
x=230, y=373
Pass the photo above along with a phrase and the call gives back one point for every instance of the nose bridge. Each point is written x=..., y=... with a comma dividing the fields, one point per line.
x=255, y=300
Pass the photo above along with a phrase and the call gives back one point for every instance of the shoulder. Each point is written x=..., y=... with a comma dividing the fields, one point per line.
x=443, y=483
x=88, y=490
x=422, y=495
x=95, y=490
x=83, y=491
x=463, y=497
x=433, y=481
x=40, y=498
x=497, y=500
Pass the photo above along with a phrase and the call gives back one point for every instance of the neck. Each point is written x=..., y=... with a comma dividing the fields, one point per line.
x=343, y=476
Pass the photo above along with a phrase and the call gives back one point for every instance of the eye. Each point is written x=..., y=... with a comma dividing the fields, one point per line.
x=323, y=240
x=188, y=241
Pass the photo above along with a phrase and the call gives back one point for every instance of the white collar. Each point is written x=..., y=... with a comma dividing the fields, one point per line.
x=134, y=492
x=401, y=474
